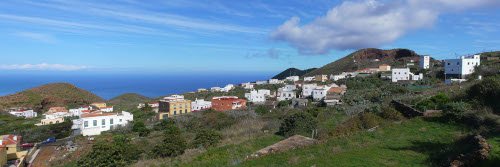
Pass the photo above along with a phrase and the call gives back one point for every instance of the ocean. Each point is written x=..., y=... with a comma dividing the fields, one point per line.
x=108, y=86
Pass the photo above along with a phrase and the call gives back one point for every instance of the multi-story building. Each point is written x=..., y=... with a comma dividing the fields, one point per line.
x=286, y=93
x=334, y=95
x=94, y=123
x=173, y=105
x=460, y=68
x=384, y=67
x=274, y=81
x=21, y=112
x=54, y=115
x=320, y=92
x=261, y=82
x=404, y=74
x=12, y=144
x=226, y=103
x=228, y=88
x=292, y=78
x=256, y=96
x=307, y=89
x=216, y=89
x=321, y=78
x=247, y=85
x=424, y=62
x=200, y=104
x=309, y=79
x=99, y=105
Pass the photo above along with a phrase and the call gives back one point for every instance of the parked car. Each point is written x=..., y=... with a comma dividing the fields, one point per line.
x=49, y=140
x=27, y=145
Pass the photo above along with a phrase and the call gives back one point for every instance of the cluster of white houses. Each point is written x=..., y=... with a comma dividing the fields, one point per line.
x=89, y=120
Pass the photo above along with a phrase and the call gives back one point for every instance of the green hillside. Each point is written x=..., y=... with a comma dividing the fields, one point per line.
x=128, y=101
x=43, y=97
x=368, y=58
x=292, y=72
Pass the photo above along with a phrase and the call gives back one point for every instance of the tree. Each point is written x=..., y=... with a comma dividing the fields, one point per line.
x=173, y=144
x=301, y=123
x=147, y=108
x=487, y=92
x=206, y=138
x=119, y=152
x=141, y=128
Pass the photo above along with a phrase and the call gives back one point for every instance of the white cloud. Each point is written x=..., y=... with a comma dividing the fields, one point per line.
x=368, y=23
x=36, y=36
x=42, y=67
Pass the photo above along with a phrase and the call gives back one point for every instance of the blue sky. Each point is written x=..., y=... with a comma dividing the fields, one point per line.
x=231, y=36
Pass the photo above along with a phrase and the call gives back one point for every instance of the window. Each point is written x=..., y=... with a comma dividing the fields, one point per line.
x=111, y=121
x=94, y=122
x=120, y=120
x=449, y=64
x=86, y=124
x=175, y=112
x=186, y=110
x=458, y=63
x=103, y=122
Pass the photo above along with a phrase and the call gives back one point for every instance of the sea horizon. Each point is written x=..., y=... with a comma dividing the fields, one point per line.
x=110, y=85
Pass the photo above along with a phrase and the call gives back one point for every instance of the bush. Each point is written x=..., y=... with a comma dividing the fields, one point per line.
x=301, y=123
x=359, y=122
x=261, y=110
x=216, y=120
x=435, y=102
x=118, y=152
x=369, y=120
x=140, y=128
x=173, y=144
x=206, y=138
x=487, y=92
x=284, y=103
x=390, y=113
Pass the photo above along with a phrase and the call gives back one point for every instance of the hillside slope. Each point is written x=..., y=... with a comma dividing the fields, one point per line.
x=292, y=72
x=128, y=100
x=366, y=58
x=43, y=97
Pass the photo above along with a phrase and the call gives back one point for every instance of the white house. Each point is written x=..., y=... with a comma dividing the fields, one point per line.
x=275, y=81
x=424, y=62
x=307, y=89
x=286, y=93
x=200, y=104
x=404, y=74
x=320, y=92
x=265, y=92
x=216, y=89
x=261, y=82
x=292, y=78
x=228, y=88
x=460, y=68
x=202, y=90
x=338, y=77
x=247, y=85
x=309, y=78
x=92, y=124
x=23, y=113
x=106, y=109
x=290, y=87
x=256, y=96
x=76, y=112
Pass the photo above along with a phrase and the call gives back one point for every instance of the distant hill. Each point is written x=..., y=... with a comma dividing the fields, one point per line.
x=368, y=58
x=43, y=97
x=128, y=101
x=292, y=72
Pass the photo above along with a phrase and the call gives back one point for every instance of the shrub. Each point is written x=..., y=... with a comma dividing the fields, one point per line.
x=369, y=120
x=261, y=109
x=435, y=102
x=173, y=144
x=301, y=123
x=216, y=120
x=206, y=138
x=284, y=103
x=487, y=92
x=390, y=113
x=140, y=128
x=118, y=152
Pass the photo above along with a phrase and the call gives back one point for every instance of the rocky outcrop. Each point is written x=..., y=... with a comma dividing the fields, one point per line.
x=406, y=110
x=290, y=143
x=480, y=151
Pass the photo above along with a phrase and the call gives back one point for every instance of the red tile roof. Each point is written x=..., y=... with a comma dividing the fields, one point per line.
x=10, y=139
x=96, y=114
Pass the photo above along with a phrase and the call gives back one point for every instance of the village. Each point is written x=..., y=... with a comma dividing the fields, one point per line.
x=293, y=91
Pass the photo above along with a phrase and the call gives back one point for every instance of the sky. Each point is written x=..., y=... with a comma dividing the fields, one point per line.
x=175, y=36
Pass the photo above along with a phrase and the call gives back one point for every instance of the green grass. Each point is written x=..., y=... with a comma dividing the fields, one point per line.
x=411, y=142
x=494, y=158
x=231, y=155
